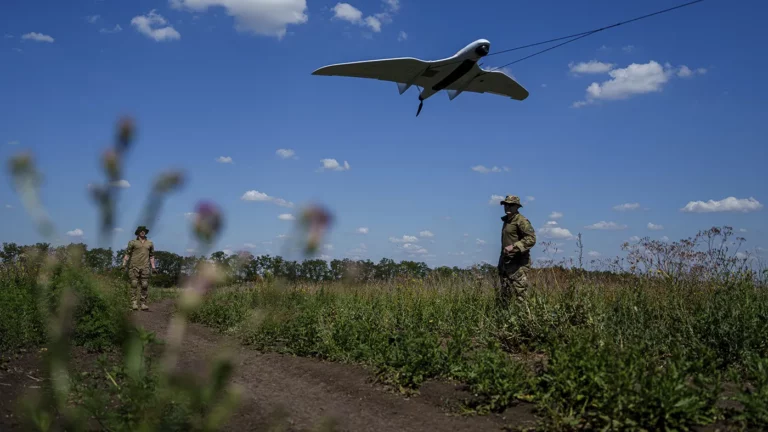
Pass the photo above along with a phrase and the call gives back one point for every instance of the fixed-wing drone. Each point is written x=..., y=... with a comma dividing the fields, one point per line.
x=455, y=74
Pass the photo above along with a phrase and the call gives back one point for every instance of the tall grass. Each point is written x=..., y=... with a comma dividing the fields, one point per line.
x=622, y=351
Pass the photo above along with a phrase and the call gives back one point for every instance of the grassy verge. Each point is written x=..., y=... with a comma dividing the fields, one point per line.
x=648, y=354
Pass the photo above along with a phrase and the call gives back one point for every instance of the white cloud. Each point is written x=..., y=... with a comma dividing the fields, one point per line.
x=347, y=12
x=632, y=80
x=593, y=254
x=495, y=199
x=730, y=204
x=665, y=239
x=426, y=234
x=404, y=239
x=224, y=159
x=190, y=215
x=115, y=29
x=603, y=225
x=92, y=18
x=150, y=25
x=483, y=170
x=118, y=229
x=530, y=199
x=554, y=232
x=555, y=215
x=362, y=230
x=414, y=249
x=333, y=165
x=38, y=37
x=121, y=184
x=77, y=232
x=480, y=242
x=626, y=207
x=285, y=153
x=592, y=66
x=654, y=227
x=254, y=195
x=634, y=239
x=628, y=48
x=742, y=230
x=551, y=223
x=263, y=17
x=286, y=217
x=686, y=72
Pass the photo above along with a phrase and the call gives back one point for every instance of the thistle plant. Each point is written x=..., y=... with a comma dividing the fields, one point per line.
x=144, y=396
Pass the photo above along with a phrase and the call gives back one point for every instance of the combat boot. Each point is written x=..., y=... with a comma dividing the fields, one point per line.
x=144, y=307
x=134, y=305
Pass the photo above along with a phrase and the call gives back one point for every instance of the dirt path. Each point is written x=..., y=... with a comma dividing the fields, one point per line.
x=308, y=391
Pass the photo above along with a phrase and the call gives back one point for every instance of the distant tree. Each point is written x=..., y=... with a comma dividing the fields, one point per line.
x=99, y=260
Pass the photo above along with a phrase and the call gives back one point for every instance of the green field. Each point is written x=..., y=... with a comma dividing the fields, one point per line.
x=658, y=348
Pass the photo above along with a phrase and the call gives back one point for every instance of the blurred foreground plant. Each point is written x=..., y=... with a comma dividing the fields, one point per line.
x=136, y=396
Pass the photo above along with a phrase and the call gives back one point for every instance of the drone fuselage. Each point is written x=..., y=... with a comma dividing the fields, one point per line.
x=461, y=63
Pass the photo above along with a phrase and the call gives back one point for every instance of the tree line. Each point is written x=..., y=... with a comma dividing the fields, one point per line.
x=243, y=267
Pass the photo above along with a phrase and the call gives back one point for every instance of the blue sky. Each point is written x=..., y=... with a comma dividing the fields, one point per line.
x=658, y=113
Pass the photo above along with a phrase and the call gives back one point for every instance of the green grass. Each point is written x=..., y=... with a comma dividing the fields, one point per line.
x=649, y=354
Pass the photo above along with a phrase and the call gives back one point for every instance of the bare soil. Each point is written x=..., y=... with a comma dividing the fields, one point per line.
x=292, y=393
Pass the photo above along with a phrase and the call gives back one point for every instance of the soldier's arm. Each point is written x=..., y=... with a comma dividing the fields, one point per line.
x=528, y=239
x=128, y=251
x=152, y=255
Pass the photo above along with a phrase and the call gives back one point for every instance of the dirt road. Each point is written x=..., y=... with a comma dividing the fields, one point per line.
x=308, y=391
x=292, y=393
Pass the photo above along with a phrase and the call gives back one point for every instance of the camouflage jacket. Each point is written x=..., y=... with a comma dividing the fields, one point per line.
x=139, y=253
x=518, y=231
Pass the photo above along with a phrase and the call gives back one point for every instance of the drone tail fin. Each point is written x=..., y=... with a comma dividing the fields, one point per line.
x=453, y=93
x=402, y=87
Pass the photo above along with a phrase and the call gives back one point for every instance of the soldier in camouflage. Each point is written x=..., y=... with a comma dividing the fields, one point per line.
x=139, y=256
x=517, y=239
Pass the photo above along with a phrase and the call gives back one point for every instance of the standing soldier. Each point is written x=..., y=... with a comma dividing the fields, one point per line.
x=139, y=255
x=517, y=239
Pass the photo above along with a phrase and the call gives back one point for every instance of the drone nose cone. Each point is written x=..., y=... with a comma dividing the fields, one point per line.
x=483, y=50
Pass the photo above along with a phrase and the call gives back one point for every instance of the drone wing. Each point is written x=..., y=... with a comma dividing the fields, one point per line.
x=399, y=70
x=498, y=83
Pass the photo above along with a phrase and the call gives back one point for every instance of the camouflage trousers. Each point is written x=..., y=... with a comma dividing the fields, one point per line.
x=139, y=284
x=513, y=278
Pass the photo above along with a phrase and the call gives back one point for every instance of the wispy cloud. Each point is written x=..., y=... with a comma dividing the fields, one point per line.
x=115, y=29
x=224, y=159
x=484, y=170
x=402, y=36
x=654, y=227
x=404, y=239
x=730, y=204
x=254, y=195
x=362, y=230
x=123, y=184
x=38, y=37
x=627, y=207
x=286, y=217
x=286, y=153
x=591, y=67
x=603, y=225
x=333, y=165
x=92, y=18
x=153, y=26
x=552, y=231
x=426, y=234
x=555, y=215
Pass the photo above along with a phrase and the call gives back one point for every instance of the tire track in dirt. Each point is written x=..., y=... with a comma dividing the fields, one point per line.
x=308, y=391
